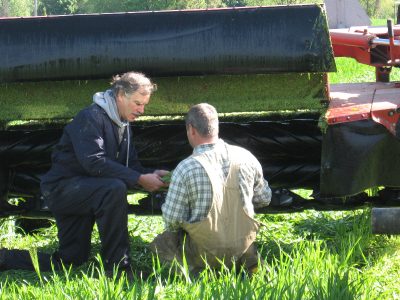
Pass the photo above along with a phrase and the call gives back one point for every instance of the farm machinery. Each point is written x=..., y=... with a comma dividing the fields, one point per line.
x=265, y=69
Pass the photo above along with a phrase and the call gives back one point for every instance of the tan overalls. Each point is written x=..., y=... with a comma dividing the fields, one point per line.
x=226, y=234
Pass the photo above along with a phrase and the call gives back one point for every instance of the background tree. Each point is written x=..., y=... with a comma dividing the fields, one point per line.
x=235, y=3
x=57, y=7
x=4, y=8
x=13, y=8
x=16, y=8
x=379, y=8
x=98, y=6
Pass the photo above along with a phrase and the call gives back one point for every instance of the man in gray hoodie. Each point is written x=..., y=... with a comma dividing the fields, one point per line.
x=93, y=166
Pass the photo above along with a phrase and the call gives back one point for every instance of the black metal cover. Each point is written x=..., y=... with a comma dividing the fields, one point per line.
x=288, y=150
x=357, y=156
x=166, y=43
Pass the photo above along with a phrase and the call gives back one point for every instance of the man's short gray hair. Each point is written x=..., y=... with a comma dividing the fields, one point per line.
x=130, y=82
x=204, y=118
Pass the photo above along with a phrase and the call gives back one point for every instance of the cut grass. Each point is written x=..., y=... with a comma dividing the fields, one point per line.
x=61, y=100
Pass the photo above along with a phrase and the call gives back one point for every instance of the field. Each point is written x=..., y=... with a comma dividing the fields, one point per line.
x=309, y=255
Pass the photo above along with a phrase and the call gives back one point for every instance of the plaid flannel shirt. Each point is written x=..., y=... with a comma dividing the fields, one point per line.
x=190, y=194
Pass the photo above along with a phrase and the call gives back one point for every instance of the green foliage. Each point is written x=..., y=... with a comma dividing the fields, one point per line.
x=235, y=3
x=374, y=8
x=57, y=7
x=378, y=8
x=273, y=2
x=101, y=6
x=16, y=8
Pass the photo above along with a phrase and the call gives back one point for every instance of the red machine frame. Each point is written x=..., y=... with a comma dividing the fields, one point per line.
x=380, y=101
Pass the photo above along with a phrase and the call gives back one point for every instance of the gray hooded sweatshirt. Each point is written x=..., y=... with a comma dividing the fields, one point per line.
x=106, y=101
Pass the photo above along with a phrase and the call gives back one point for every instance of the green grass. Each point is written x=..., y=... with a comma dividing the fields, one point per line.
x=380, y=22
x=61, y=100
x=309, y=255
x=349, y=70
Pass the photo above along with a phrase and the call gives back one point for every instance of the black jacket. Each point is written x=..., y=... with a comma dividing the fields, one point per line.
x=89, y=147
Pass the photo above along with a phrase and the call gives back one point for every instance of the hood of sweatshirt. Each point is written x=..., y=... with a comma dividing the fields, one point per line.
x=107, y=102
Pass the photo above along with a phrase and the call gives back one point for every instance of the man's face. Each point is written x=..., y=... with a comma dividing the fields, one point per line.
x=132, y=106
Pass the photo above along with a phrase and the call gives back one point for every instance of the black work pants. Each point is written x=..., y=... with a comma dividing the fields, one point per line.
x=77, y=204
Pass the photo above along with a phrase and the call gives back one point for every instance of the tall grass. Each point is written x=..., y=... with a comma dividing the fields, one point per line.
x=309, y=255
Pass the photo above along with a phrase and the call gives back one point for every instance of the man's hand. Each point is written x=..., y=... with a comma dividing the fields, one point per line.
x=151, y=182
x=161, y=173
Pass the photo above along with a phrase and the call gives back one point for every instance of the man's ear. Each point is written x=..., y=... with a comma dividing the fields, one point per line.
x=192, y=130
x=118, y=97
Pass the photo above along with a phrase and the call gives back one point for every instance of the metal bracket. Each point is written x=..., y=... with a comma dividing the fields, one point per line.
x=377, y=101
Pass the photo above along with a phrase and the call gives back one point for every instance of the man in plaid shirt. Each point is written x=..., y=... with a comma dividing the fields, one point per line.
x=210, y=203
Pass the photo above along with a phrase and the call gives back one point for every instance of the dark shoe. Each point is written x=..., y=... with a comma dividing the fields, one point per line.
x=2, y=258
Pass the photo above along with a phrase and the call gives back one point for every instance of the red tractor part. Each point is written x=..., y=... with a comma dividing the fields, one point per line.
x=374, y=46
x=377, y=101
x=361, y=145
